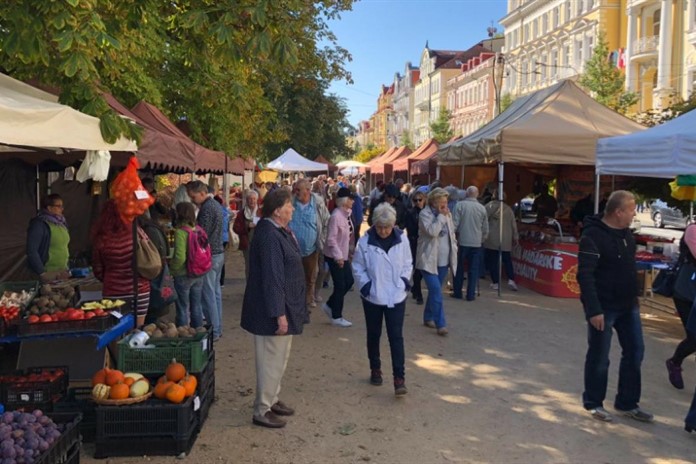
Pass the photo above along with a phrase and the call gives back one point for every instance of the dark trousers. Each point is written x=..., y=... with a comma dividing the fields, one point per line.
x=628, y=329
x=394, y=319
x=472, y=256
x=343, y=279
x=222, y=273
x=416, y=290
x=690, y=419
x=492, y=264
x=687, y=346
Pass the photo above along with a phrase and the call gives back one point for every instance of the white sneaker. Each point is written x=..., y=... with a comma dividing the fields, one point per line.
x=327, y=310
x=318, y=299
x=340, y=322
x=494, y=286
x=512, y=284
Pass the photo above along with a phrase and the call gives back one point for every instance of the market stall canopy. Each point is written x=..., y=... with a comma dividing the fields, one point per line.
x=380, y=159
x=32, y=118
x=667, y=150
x=157, y=150
x=204, y=159
x=351, y=164
x=322, y=160
x=399, y=153
x=291, y=161
x=557, y=125
x=426, y=151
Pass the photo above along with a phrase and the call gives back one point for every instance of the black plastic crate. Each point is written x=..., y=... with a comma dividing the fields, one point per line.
x=79, y=399
x=18, y=390
x=63, y=449
x=154, y=418
x=145, y=446
x=74, y=454
x=206, y=391
x=96, y=324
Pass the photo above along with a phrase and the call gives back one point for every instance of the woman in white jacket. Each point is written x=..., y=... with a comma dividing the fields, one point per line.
x=382, y=267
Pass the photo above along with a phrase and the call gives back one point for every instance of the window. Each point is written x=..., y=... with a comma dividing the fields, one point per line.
x=567, y=57
x=590, y=47
x=544, y=24
x=526, y=33
x=556, y=17
x=554, y=64
x=523, y=74
x=590, y=4
x=578, y=52
x=656, y=22
x=580, y=7
x=536, y=28
x=567, y=11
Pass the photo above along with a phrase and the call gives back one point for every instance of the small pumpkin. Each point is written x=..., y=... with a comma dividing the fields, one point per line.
x=161, y=390
x=101, y=391
x=175, y=371
x=189, y=383
x=176, y=393
x=129, y=381
x=119, y=391
x=99, y=376
x=162, y=379
x=114, y=376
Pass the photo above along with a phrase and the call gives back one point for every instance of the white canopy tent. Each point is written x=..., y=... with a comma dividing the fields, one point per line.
x=33, y=118
x=665, y=151
x=351, y=164
x=291, y=161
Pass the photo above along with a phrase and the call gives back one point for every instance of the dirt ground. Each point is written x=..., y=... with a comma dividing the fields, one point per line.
x=503, y=387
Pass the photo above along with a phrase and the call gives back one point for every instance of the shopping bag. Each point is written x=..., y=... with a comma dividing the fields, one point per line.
x=162, y=291
x=147, y=257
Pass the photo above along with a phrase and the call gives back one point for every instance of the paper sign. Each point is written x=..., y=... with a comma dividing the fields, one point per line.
x=204, y=344
x=116, y=314
x=142, y=194
x=196, y=403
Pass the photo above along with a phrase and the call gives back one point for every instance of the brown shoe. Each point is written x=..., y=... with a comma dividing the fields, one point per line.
x=269, y=420
x=430, y=324
x=442, y=331
x=282, y=409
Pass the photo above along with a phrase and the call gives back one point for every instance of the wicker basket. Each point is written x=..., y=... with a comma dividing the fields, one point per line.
x=124, y=401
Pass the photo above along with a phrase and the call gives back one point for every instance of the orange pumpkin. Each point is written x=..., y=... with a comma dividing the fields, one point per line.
x=161, y=390
x=162, y=379
x=189, y=383
x=119, y=391
x=100, y=376
x=175, y=371
x=113, y=377
x=129, y=381
x=176, y=393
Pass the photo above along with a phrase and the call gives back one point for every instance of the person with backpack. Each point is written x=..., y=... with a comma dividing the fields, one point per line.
x=188, y=266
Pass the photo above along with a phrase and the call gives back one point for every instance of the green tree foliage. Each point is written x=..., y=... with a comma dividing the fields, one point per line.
x=208, y=62
x=505, y=101
x=658, y=116
x=440, y=128
x=605, y=81
x=369, y=153
x=406, y=140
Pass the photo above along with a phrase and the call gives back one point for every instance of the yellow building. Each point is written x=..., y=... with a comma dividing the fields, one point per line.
x=661, y=51
x=550, y=40
x=381, y=118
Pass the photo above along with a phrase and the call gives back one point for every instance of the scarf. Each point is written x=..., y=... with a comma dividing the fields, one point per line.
x=50, y=218
x=249, y=215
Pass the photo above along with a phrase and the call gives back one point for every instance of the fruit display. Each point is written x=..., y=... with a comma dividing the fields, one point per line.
x=25, y=436
x=170, y=330
x=69, y=314
x=21, y=298
x=176, y=384
x=51, y=300
x=35, y=387
x=9, y=313
x=112, y=384
x=104, y=304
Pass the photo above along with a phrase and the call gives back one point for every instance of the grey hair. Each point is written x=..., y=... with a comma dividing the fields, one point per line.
x=341, y=201
x=384, y=215
x=472, y=191
x=435, y=194
x=303, y=183
x=617, y=200
x=251, y=193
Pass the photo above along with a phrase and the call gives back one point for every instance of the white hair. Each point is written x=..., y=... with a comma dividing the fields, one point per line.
x=341, y=201
x=472, y=191
x=251, y=193
x=384, y=215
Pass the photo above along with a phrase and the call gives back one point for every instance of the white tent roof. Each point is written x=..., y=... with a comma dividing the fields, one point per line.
x=291, y=161
x=33, y=118
x=667, y=150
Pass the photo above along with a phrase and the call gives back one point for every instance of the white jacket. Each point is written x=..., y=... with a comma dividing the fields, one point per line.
x=387, y=273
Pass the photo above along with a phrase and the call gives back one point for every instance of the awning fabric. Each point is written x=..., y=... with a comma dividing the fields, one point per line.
x=398, y=153
x=557, y=125
x=426, y=151
x=291, y=161
x=322, y=160
x=666, y=151
x=30, y=117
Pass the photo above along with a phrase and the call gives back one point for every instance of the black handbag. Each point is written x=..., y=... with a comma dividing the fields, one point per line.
x=664, y=282
x=685, y=283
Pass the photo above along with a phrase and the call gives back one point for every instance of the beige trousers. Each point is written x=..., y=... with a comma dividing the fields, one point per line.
x=309, y=263
x=272, y=353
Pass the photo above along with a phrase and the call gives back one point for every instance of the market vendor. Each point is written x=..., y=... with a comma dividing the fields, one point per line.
x=545, y=205
x=47, y=241
x=583, y=207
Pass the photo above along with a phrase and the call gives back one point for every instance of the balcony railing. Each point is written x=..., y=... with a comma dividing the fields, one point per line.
x=645, y=44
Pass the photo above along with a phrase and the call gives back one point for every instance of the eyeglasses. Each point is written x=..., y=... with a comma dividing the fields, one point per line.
x=418, y=200
x=58, y=206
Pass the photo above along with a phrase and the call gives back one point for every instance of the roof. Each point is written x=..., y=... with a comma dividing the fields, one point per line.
x=291, y=161
x=426, y=151
x=397, y=153
x=462, y=57
x=557, y=125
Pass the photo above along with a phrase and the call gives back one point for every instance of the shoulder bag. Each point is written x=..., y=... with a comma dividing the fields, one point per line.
x=147, y=257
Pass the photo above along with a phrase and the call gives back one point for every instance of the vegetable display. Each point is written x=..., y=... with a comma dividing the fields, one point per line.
x=25, y=436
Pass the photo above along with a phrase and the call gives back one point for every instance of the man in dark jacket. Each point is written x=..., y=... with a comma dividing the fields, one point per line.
x=392, y=196
x=609, y=294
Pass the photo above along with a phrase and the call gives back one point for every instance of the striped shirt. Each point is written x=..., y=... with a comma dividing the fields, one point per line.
x=304, y=226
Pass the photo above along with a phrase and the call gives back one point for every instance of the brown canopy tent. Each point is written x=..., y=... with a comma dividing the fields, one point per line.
x=332, y=167
x=426, y=151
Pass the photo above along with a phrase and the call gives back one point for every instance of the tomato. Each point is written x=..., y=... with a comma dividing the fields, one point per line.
x=98, y=312
x=33, y=319
x=89, y=315
x=54, y=317
x=45, y=318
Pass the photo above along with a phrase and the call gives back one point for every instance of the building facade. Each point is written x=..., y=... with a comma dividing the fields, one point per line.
x=550, y=40
x=384, y=112
x=400, y=122
x=471, y=94
x=661, y=50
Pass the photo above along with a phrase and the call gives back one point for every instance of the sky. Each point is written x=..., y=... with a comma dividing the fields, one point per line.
x=382, y=35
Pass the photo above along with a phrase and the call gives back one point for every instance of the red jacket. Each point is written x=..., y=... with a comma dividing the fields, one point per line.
x=241, y=228
x=112, y=263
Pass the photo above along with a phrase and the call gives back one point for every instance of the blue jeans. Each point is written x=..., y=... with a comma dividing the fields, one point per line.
x=394, y=320
x=434, y=306
x=189, y=299
x=628, y=329
x=212, y=295
x=343, y=280
x=472, y=255
x=492, y=264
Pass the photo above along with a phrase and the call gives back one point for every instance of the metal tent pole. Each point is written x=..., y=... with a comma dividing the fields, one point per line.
x=596, y=194
x=501, y=169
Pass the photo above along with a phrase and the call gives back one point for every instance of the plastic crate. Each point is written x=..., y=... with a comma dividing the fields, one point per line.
x=27, y=394
x=192, y=352
x=80, y=400
x=96, y=324
x=206, y=391
x=62, y=450
x=74, y=454
x=153, y=427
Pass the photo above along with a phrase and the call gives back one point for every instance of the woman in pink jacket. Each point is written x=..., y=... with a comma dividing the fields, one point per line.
x=338, y=252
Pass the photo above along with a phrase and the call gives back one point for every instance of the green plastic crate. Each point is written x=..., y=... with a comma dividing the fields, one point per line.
x=192, y=352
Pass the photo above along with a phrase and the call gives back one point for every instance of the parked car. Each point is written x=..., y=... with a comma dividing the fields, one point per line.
x=664, y=215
